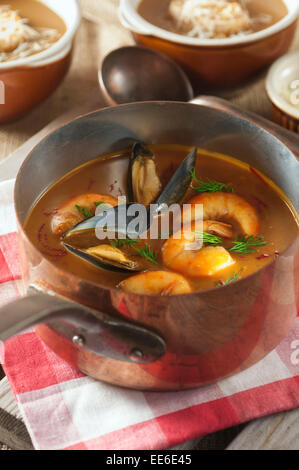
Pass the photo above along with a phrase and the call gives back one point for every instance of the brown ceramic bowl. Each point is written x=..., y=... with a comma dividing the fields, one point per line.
x=26, y=82
x=215, y=63
x=155, y=342
x=282, y=86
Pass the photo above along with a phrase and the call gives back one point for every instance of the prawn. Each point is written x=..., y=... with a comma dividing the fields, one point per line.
x=204, y=262
x=68, y=215
x=228, y=206
x=156, y=283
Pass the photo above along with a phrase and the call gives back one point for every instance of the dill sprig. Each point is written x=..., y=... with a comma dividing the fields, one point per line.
x=245, y=245
x=130, y=243
x=84, y=211
x=210, y=186
x=208, y=238
x=234, y=278
x=149, y=254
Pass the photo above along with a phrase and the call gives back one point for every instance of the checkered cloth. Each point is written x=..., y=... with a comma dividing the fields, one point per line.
x=63, y=409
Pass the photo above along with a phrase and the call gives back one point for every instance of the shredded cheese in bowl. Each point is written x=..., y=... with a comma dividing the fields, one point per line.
x=211, y=19
x=19, y=39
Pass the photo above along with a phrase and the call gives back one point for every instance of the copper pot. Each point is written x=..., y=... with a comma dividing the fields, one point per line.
x=153, y=342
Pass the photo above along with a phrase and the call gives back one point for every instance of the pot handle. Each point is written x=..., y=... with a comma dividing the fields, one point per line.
x=291, y=139
x=92, y=330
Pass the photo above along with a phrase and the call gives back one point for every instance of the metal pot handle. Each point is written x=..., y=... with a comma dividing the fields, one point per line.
x=291, y=139
x=93, y=330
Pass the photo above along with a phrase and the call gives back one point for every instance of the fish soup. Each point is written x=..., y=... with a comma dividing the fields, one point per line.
x=247, y=222
x=212, y=19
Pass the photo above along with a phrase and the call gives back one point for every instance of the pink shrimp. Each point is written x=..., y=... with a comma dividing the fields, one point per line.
x=220, y=205
x=156, y=283
x=178, y=255
x=68, y=215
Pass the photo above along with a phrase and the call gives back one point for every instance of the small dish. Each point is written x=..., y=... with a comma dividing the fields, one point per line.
x=215, y=62
x=282, y=87
x=27, y=81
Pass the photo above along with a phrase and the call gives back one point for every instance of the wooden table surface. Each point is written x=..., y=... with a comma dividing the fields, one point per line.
x=94, y=40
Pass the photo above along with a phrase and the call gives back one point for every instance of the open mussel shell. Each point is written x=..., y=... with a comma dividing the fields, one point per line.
x=106, y=257
x=144, y=184
x=81, y=238
x=178, y=185
x=83, y=234
x=88, y=227
x=174, y=192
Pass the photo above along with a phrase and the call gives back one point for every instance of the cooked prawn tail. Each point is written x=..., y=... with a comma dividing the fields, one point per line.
x=218, y=228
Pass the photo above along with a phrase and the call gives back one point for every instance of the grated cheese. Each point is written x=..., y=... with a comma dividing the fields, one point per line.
x=19, y=39
x=211, y=19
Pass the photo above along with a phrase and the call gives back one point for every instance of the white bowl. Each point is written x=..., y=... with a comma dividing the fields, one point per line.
x=284, y=70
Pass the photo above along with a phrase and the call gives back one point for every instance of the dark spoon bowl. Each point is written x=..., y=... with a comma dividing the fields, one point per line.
x=133, y=73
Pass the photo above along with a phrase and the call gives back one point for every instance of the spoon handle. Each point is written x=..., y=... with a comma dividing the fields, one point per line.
x=291, y=139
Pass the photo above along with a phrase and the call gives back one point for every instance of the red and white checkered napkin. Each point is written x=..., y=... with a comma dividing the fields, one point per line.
x=63, y=409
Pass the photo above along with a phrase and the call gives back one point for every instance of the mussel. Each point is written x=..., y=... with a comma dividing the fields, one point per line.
x=144, y=184
x=106, y=257
x=173, y=193
x=143, y=170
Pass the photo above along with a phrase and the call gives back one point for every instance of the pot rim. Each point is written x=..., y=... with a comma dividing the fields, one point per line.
x=131, y=19
x=60, y=47
x=115, y=289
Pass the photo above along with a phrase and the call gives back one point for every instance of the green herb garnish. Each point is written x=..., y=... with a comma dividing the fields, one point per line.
x=210, y=186
x=245, y=245
x=148, y=254
x=98, y=203
x=208, y=238
x=84, y=211
x=130, y=243
x=235, y=277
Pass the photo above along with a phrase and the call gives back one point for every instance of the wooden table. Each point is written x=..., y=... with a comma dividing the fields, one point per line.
x=94, y=40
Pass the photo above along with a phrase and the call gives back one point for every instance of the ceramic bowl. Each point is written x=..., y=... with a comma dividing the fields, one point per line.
x=26, y=82
x=282, y=86
x=215, y=62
